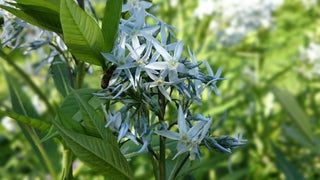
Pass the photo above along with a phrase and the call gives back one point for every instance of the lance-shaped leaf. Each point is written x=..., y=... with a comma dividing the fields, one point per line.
x=290, y=105
x=110, y=22
x=71, y=107
x=61, y=76
x=21, y=104
x=100, y=155
x=287, y=168
x=81, y=33
x=36, y=123
x=41, y=13
x=93, y=120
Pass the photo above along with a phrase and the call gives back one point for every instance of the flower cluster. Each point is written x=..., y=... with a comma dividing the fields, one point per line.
x=234, y=19
x=17, y=33
x=150, y=73
x=310, y=59
x=309, y=3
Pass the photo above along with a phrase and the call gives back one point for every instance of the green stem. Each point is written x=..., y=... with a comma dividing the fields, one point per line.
x=155, y=167
x=180, y=167
x=80, y=74
x=28, y=80
x=162, y=158
x=42, y=152
x=67, y=165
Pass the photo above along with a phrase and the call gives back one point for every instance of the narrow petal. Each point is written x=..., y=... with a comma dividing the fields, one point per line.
x=164, y=92
x=110, y=57
x=182, y=151
x=168, y=134
x=157, y=65
x=182, y=126
x=208, y=68
x=195, y=130
x=178, y=50
x=166, y=56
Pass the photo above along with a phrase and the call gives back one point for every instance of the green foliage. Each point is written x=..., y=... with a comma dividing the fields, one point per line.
x=36, y=123
x=288, y=169
x=296, y=113
x=81, y=33
x=21, y=104
x=61, y=76
x=110, y=22
x=103, y=156
x=42, y=13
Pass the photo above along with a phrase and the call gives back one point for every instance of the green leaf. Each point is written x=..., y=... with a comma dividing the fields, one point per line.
x=295, y=134
x=40, y=13
x=93, y=120
x=22, y=105
x=238, y=174
x=298, y=116
x=51, y=134
x=71, y=107
x=50, y=4
x=287, y=168
x=69, y=123
x=110, y=22
x=61, y=76
x=100, y=155
x=81, y=33
x=36, y=123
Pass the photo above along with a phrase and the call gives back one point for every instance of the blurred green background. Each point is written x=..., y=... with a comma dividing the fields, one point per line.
x=272, y=92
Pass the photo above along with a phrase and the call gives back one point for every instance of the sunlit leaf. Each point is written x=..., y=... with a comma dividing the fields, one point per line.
x=111, y=22
x=81, y=33
x=298, y=116
x=37, y=12
x=21, y=104
x=36, y=123
x=100, y=155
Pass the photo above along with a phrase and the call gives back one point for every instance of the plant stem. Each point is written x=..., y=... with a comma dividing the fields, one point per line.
x=28, y=80
x=155, y=167
x=162, y=159
x=180, y=167
x=67, y=165
x=80, y=74
x=42, y=152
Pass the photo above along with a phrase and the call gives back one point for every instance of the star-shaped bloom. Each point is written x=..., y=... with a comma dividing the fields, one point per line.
x=171, y=63
x=140, y=62
x=115, y=122
x=212, y=79
x=122, y=62
x=189, y=138
x=159, y=81
x=133, y=5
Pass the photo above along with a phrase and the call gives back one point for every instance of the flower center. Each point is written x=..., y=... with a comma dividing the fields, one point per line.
x=173, y=64
x=140, y=63
x=160, y=82
x=184, y=138
x=122, y=61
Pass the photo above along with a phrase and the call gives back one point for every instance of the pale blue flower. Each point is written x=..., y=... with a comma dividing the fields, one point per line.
x=212, y=79
x=171, y=63
x=188, y=139
x=115, y=123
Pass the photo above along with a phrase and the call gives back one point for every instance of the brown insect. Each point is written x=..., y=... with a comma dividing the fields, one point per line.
x=107, y=76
